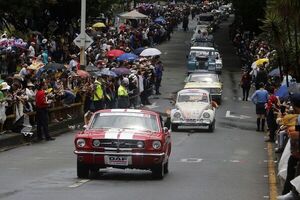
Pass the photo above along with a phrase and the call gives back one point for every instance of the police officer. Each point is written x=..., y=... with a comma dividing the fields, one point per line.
x=98, y=97
x=123, y=98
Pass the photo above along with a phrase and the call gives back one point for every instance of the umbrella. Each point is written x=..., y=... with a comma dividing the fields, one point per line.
x=282, y=92
x=160, y=20
x=35, y=65
x=82, y=73
x=274, y=72
x=91, y=68
x=261, y=61
x=127, y=57
x=121, y=71
x=150, y=52
x=53, y=67
x=134, y=14
x=108, y=72
x=99, y=25
x=114, y=53
x=138, y=51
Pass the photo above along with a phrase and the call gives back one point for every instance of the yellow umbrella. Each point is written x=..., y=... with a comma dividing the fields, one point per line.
x=261, y=61
x=99, y=25
x=35, y=65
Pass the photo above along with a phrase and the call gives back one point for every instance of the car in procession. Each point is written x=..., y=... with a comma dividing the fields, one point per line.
x=193, y=109
x=208, y=81
x=204, y=58
x=123, y=138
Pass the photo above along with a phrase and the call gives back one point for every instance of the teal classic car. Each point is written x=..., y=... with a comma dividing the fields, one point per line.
x=204, y=58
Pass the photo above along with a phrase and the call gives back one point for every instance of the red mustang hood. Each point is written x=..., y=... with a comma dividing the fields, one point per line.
x=122, y=134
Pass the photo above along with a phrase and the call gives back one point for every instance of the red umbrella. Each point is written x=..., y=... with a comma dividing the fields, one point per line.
x=114, y=53
x=83, y=74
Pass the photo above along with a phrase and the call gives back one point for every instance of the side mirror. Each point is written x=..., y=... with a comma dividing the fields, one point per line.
x=166, y=130
x=187, y=56
x=172, y=102
x=85, y=127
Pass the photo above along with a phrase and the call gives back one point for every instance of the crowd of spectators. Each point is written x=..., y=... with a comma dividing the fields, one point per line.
x=277, y=100
x=54, y=61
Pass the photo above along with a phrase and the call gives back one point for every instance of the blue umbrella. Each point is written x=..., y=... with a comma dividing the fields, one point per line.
x=282, y=92
x=127, y=57
x=138, y=51
x=160, y=20
x=274, y=72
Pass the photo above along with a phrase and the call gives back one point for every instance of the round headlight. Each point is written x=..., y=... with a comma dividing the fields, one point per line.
x=96, y=143
x=156, y=144
x=206, y=115
x=177, y=115
x=140, y=144
x=80, y=142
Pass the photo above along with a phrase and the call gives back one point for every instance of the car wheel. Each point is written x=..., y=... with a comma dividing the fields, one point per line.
x=83, y=170
x=211, y=127
x=174, y=127
x=158, y=172
x=166, y=167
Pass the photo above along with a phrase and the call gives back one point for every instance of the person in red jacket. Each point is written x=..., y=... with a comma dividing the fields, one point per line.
x=42, y=113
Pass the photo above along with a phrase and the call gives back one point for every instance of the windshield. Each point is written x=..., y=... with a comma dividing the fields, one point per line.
x=134, y=121
x=198, y=54
x=203, y=78
x=192, y=97
x=203, y=44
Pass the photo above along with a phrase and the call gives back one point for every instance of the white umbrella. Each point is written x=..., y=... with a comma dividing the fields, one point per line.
x=150, y=52
x=134, y=14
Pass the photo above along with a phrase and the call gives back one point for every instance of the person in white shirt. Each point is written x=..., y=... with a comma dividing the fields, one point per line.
x=31, y=50
x=74, y=62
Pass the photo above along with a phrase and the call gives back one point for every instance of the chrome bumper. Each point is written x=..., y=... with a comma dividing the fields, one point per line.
x=118, y=153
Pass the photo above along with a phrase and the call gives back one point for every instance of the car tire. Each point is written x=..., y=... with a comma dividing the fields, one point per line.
x=158, y=172
x=174, y=127
x=211, y=127
x=83, y=170
x=166, y=167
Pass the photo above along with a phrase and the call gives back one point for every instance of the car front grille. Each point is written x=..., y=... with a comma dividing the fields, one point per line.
x=115, y=143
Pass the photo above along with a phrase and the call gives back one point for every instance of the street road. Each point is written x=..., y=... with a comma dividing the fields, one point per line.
x=228, y=164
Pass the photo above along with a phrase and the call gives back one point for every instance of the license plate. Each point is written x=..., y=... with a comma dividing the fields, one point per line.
x=117, y=160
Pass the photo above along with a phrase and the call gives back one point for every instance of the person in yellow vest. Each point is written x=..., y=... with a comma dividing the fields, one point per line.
x=123, y=98
x=98, y=97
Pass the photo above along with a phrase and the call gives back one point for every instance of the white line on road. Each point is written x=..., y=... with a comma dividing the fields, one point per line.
x=191, y=160
x=79, y=183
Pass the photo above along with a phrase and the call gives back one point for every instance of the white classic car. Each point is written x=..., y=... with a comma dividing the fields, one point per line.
x=193, y=109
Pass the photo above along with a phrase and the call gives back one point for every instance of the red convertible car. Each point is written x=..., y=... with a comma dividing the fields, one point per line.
x=123, y=138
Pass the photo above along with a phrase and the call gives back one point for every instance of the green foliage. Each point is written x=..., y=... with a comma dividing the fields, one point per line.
x=250, y=12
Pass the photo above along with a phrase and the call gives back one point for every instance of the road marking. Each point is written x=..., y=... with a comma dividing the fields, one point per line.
x=79, y=183
x=228, y=115
x=272, y=175
x=191, y=160
x=152, y=106
x=234, y=161
x=225, y=98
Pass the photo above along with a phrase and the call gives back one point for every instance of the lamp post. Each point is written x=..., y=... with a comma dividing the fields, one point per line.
x=82, y=32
